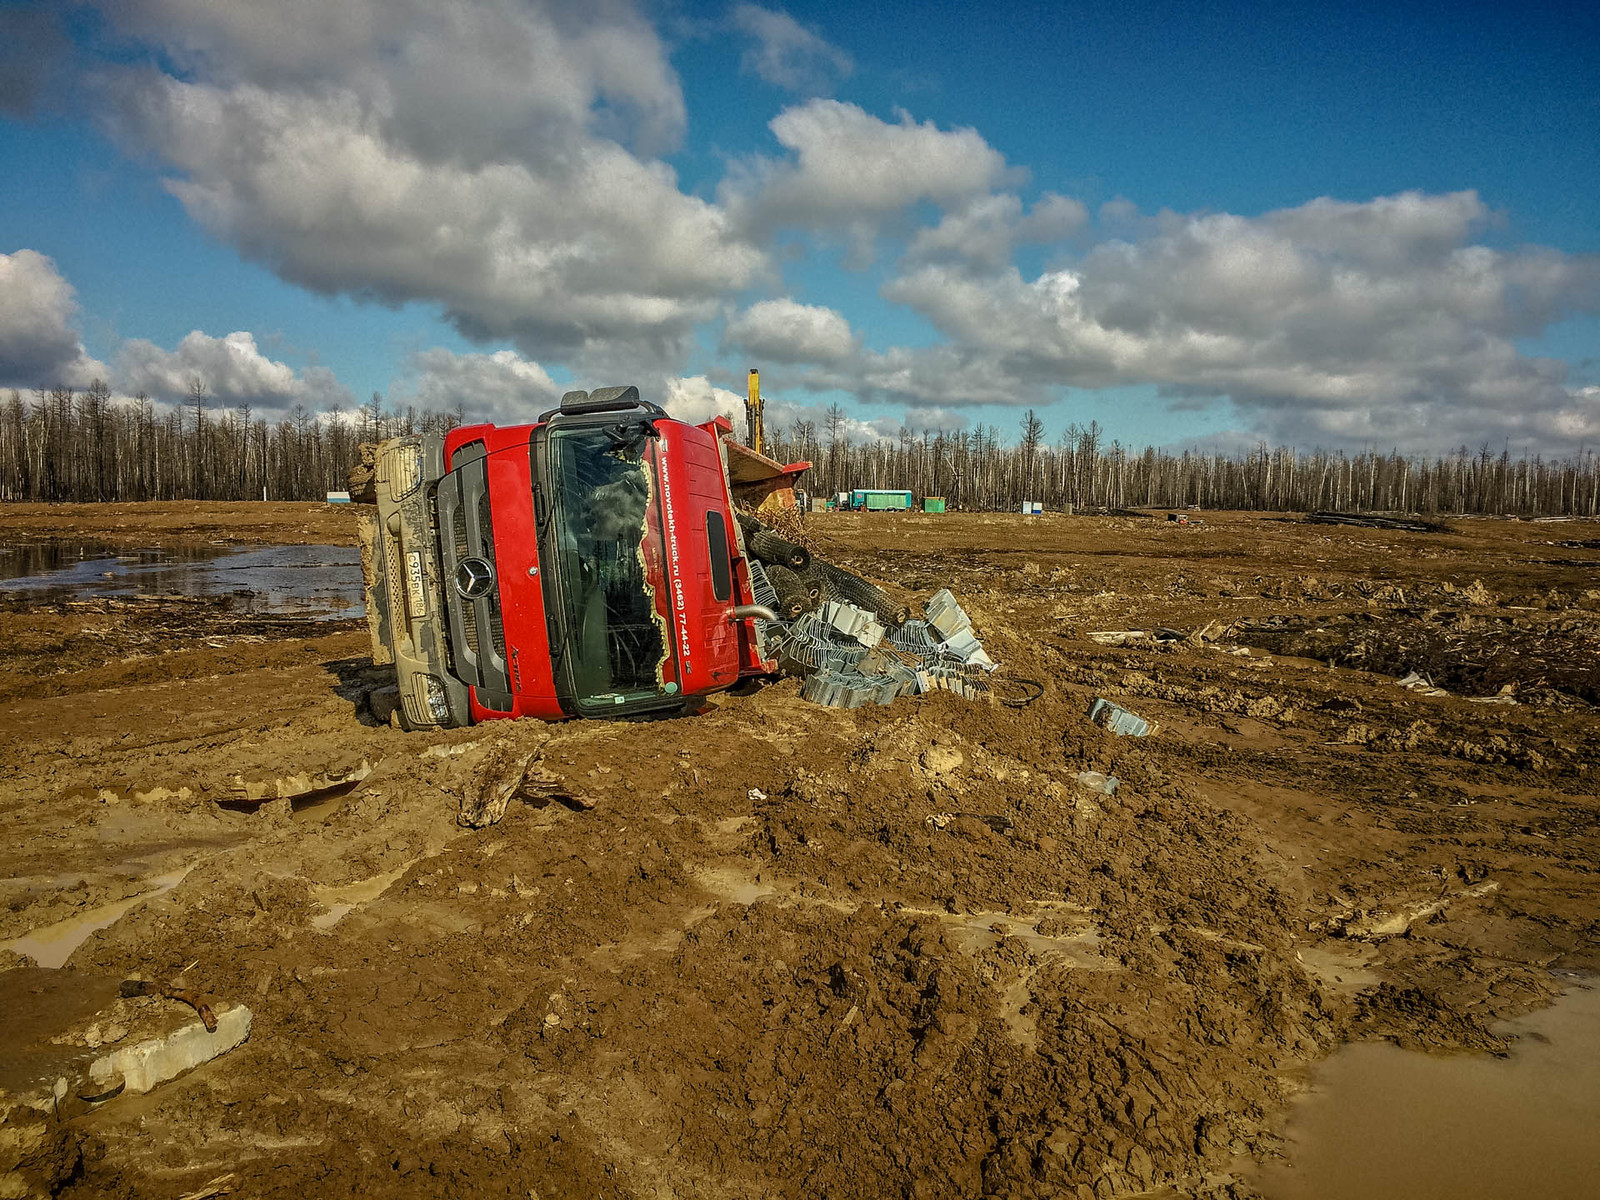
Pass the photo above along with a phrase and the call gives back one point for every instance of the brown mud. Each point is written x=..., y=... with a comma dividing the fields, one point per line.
x=730, y=955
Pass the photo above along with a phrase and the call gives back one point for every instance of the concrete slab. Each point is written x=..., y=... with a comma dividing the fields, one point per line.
x=69, y=1041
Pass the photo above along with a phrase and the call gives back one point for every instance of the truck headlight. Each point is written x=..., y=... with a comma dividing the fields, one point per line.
x=404, y=468
x=438, y=704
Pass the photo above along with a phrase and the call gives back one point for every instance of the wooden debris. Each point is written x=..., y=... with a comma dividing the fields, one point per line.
x=498, y=779
x=222, y=1185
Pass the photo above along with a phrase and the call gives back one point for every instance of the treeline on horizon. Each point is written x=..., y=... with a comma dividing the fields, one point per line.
x=62, y=445
x=977, y=470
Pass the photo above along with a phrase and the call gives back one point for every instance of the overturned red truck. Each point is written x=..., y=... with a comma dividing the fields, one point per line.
x=588, y=565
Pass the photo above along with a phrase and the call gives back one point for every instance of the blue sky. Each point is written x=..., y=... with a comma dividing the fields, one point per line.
x=1220, y=224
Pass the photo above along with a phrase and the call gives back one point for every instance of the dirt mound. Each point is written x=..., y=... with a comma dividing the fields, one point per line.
x=1472, y=653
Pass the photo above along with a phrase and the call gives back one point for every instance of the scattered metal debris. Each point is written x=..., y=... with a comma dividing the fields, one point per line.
x=837, y=584
x=1120, y=721
x=1421, y=684
x=1095, y=781
x=1503, y=696
x=849, y=655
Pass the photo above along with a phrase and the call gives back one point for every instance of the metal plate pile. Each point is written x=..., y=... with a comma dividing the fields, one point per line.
x=848, y=658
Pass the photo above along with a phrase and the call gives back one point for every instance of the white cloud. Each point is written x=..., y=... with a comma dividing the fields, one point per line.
x=787, y=54
x=40, y=347
x=39, y=342
x=501, y=159
x=489, y=157
x=502, y=387
x=1119, y=210
x=470, y=83
x=789, y=332
x=232, y=369
x=696, y=400
x=928, y=380
x=986, y=232
x=1340, y=322
x=850, y=172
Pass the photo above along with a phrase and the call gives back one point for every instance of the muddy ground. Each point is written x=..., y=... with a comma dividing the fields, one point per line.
x=754, y=967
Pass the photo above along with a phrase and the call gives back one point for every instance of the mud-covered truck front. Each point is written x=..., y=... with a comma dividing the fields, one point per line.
x=587, y=565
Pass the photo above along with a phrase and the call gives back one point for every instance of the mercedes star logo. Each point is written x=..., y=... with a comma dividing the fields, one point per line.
x=474, y=578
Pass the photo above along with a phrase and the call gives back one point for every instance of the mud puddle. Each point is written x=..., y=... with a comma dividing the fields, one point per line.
x=339, y=902
x=1391, y=1124
x=52, y=945
x=317, y=581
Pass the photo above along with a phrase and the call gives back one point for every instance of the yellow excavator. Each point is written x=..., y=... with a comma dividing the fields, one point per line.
x=754, y=405
x=758, y=481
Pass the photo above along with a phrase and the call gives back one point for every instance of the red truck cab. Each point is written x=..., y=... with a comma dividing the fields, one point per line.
x=586, y=565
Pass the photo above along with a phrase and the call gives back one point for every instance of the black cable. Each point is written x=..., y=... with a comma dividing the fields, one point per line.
x=1037, y=690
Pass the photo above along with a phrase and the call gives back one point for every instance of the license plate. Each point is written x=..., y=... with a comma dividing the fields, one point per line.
x=414, y=592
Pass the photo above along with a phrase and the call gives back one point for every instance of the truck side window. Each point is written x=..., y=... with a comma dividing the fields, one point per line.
x=721, y=564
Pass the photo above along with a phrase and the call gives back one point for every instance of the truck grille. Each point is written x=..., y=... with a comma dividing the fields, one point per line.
x=466, y=528
x=469, y=611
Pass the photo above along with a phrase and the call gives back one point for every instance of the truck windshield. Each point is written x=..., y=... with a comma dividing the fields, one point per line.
x=601, y=534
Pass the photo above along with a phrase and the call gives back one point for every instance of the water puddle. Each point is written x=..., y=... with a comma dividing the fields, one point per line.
x=734, y=884
x=317, y=581
x=52, y=945
x=1067, y=936
x=1390, y=1124
x=339, y=902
